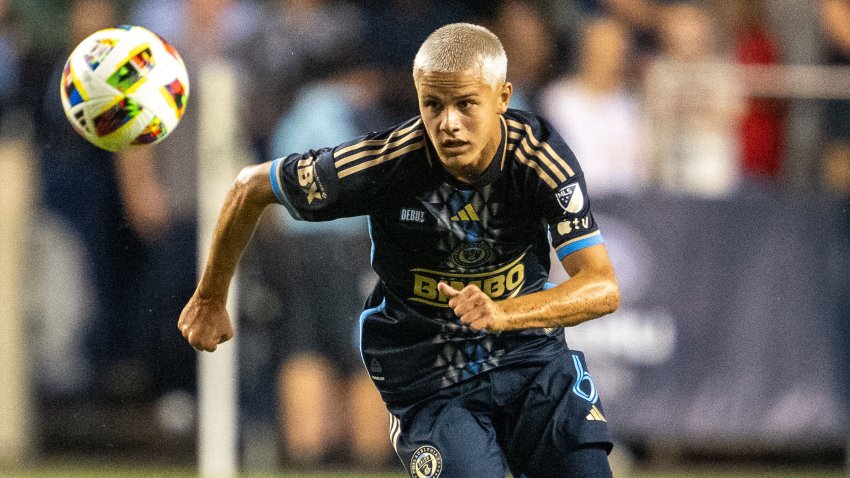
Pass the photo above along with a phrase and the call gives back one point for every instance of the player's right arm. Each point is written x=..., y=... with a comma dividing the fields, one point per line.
x=310, y=187
x=204, y=321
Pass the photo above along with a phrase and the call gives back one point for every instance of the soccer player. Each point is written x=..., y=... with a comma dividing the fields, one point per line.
x=461, y=335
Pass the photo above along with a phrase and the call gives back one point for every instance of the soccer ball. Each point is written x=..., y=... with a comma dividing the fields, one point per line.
x=124, y=86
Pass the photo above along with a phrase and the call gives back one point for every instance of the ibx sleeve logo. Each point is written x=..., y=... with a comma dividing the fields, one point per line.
x=570, y=198
x=309, y=181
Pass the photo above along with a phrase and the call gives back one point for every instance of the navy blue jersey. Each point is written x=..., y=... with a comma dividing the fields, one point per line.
x=427, y=227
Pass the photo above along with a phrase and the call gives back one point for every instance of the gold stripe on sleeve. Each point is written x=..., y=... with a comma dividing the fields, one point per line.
x=381, y=159
x=544, y=146
x=520, y=156
x=338, y=154
x=377, y=152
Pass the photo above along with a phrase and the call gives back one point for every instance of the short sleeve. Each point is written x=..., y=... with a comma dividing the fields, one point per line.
x=561, y=192
x=571, y=223
x=308, y=186
x=348, y=180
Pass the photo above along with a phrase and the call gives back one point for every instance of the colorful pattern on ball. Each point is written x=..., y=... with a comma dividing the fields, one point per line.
x=116, y=116
x=151, y=133
x=175, y=94
x=124, y=86
x=129, y=74
x=99, y=50
x=69, y=87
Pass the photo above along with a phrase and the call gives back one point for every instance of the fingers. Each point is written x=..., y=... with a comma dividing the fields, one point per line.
x=466, y=304
x=463, y=301
x=476, y=319
x=448, y=290
x=204, y=332
x=472, y=306
x=208, y=344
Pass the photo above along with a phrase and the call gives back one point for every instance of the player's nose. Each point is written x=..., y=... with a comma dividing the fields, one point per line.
x=450, y=121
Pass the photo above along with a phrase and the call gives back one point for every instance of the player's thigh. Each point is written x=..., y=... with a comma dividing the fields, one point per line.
x=557, y=427
x=446, y=440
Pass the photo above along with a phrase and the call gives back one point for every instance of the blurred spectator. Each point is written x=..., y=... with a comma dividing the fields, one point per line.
x=693, y=103
x=641, y=18
x=527, y=40
x=597, y=116
x=761, y=129
x=321, y=377
x=835, y=18
x=210, y=31
x=83, y=186
x=350, y=98
x=11, y=58
x=297, y=41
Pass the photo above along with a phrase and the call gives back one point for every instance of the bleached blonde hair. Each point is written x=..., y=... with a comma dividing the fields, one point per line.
x=461, y=46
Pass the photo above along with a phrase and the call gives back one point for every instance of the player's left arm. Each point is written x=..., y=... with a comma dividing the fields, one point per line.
x=590, y=292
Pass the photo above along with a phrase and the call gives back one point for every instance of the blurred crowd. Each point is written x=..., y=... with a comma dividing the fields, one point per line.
x=642, y=90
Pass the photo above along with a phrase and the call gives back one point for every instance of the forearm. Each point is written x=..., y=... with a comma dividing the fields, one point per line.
x=248, y=197
x=581, y=298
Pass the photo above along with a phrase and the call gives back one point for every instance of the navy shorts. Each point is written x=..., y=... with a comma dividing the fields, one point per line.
x=536, y=420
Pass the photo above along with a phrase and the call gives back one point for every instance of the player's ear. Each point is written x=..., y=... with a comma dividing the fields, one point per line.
x=505, y=96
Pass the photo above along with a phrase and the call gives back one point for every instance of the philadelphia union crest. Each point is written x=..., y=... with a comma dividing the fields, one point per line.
x=471, y=254
x=426, y=462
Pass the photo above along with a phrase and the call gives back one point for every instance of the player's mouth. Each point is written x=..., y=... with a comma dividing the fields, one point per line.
x=455, y=146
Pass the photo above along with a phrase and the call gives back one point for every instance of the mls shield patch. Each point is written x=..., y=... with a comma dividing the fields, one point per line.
x=570, y=198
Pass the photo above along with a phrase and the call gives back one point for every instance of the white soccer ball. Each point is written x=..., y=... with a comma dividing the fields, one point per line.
x=124, y=86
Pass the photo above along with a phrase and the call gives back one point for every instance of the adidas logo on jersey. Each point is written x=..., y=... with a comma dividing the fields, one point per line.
x=595, y=415
x=466, y=214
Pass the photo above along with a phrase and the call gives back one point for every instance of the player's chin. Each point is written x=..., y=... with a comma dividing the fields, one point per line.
x=458, y=159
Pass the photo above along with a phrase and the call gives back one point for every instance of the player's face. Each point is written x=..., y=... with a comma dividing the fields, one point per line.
x=461, y=114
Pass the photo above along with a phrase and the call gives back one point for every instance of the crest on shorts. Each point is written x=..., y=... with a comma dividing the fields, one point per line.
x=570, y=198
x=426, y=462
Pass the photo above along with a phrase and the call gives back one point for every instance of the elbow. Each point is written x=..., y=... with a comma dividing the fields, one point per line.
x=613, y=301
x=251, y=186
x=610, y=297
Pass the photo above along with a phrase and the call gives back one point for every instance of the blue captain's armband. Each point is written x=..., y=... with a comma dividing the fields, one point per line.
x=579, y=243
x=274, y=177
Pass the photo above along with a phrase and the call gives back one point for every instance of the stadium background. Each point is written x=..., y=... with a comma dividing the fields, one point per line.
x=715, y=137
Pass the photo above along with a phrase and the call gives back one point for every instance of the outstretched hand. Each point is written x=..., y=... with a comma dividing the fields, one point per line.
x=474, y=308
x=205, y=324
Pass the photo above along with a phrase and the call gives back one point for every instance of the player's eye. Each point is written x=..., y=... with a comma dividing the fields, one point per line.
x=465, y=104
x=431, y=104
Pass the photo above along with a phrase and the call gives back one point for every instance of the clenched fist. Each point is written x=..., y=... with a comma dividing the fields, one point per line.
x=205, y=324
x=474, y=308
